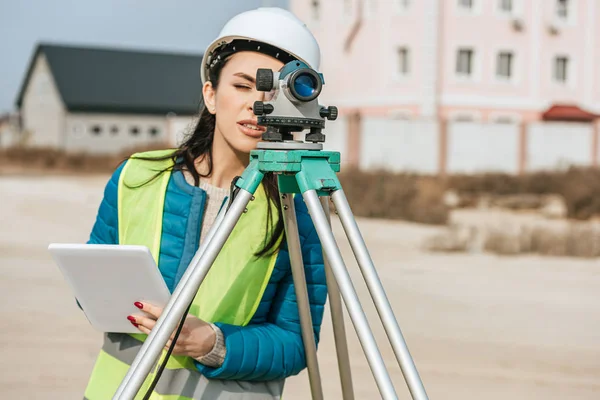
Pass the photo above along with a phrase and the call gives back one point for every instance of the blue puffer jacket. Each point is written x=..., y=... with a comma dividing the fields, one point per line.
x=270, y=347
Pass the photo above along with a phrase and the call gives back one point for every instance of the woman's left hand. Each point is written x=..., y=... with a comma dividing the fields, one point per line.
x=196, y=338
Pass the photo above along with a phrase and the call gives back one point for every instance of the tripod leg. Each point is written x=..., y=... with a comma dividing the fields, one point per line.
x=308, y=338
x=379, y=297
x=157, y=339
x=361, y=325
x=337, y=319
x=182, y=281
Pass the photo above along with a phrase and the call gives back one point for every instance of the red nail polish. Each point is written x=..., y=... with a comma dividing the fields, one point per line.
x=138, y=305
x=131, y=319
x=134, y=324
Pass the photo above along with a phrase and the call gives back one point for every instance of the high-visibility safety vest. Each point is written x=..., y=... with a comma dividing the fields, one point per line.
x=230, y=292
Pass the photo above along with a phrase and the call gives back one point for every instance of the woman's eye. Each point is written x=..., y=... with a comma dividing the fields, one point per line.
x=242, y=86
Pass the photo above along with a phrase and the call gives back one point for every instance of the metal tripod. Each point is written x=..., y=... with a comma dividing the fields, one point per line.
x=301, y=168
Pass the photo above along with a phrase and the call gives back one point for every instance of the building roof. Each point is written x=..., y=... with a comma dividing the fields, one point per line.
x=122, y=81
x=562, y=112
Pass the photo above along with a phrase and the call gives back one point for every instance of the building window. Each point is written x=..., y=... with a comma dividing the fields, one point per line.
x=403, y=4
x=347, y=7
x=316, y=8
x=506, y=6
x=464, y=62
x=562, y=9
x=134, y=130
x=370, y=8
x=465, y=116
x=154, y=131
x=114, y=130
x=465, y=4
x=504, y=65
x=561, y=64
x=403, y=61
x=400, y=114
x=96, y=129
x=504, y=119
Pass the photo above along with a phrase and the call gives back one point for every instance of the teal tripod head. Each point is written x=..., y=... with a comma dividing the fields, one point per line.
x=292, y=103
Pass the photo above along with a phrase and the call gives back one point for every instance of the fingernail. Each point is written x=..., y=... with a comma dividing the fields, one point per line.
x=131, y=319
x=138, y=305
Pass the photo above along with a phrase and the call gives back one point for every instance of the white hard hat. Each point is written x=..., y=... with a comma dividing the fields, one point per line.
x=270, y=30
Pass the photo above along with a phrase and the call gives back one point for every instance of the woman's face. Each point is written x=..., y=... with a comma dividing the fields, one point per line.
x=232, y=101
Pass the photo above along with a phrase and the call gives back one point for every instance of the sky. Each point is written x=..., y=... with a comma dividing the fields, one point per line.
x=175, y=25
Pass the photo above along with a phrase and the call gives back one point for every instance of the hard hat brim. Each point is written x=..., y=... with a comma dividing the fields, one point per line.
x=207, y=58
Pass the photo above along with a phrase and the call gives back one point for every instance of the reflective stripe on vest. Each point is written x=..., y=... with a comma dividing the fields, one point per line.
x=230, y=292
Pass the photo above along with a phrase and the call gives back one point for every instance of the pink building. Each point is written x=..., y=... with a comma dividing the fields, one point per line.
x=473, y=60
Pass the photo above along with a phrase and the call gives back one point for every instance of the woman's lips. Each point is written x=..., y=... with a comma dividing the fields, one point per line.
x=255, y=133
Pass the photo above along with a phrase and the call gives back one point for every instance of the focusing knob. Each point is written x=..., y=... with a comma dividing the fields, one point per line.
x=333, y=113
x=264, y=80
x=268, y=108
x=259, y=108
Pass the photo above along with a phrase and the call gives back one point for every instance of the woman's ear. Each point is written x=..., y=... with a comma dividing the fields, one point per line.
x=209, y=93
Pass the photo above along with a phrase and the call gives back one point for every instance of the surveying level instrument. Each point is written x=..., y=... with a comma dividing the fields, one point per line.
x=301, y=167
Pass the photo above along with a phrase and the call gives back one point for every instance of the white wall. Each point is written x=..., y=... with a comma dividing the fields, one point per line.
x=472, y=147
x=9, y=137
x=482, y=147
x=552, y=145
x=400, y=145
x=80, y=135
x=42, y=109
x=336, y=136
x=178, y=127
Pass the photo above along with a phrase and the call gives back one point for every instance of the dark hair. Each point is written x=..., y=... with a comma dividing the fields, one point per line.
x=199, y=144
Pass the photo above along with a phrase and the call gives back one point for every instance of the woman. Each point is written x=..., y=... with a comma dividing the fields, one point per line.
x=242, y=337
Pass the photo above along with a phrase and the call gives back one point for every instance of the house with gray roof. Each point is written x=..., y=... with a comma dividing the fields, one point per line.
x=102, y=100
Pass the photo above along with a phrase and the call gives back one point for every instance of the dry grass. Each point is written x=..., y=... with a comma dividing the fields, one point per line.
x=381, y=194
x=49, y=160
x=573, y=239
x=578, y=186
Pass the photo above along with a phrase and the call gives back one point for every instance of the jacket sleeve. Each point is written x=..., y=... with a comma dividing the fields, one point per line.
x=275, y=350
x=106, y=229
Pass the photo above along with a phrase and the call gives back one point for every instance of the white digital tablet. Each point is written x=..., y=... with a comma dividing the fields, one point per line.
x=108, y=279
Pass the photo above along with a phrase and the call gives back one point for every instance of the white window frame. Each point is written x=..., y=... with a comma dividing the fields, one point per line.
x=569, y=70
x=473, y=115
x=139, y=129
x=475, y=75
x=316, y=5
x=502, y=10
x=514, y=68
x=517, y=9
x=92, y=129
x=403, y=6
x=571, y=18
x=474, y=10
x=514, y=118
x=155, y=127
x=398, y=75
